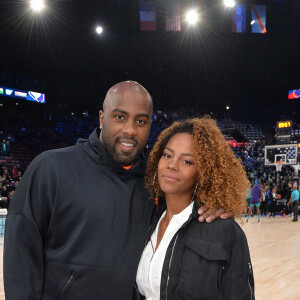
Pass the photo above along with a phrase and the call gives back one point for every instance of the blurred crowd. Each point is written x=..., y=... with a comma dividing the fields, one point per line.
x=9, y=180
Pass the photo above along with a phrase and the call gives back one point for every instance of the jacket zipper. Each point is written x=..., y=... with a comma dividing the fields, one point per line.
x=170, y=262
x=250, y=272
x=220, y=282
x=67, y=284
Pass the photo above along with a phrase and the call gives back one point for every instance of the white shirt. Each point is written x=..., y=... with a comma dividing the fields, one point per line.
x=150, y=266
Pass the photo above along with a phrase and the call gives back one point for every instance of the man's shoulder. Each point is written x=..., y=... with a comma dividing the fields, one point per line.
x=60, y=155
x=295, y=192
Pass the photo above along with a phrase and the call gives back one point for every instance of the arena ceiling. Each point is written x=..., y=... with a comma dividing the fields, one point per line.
x=204, y=68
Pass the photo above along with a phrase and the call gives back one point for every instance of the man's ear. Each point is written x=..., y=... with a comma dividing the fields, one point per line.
x=101, y=118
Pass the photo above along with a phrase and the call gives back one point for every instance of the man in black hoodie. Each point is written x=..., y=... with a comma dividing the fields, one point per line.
x=80, y=215
x=287, y=196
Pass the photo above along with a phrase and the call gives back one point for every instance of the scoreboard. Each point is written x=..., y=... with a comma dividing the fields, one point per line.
x=284, y=129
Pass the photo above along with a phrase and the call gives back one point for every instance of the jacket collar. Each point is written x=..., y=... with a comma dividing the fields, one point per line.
x=162, y=207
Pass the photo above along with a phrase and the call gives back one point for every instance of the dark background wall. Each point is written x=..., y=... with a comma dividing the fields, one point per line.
x=196, y=70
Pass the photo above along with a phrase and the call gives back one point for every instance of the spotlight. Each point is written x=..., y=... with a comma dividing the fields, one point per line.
x=37, y=5
x=252, y=22
x=192, y=17
x=99, y=29
x=229, y=3
x=227, y=107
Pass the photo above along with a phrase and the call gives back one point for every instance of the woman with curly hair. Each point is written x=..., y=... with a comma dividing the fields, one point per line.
x=191, y=164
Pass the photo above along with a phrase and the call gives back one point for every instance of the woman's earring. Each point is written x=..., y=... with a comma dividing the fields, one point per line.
x=156, y=197
x=195, y=190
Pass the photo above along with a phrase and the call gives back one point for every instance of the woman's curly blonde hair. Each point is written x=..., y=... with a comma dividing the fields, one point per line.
x=222, y=181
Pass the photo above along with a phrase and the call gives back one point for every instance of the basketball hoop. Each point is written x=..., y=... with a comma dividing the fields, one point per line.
x=278, y=165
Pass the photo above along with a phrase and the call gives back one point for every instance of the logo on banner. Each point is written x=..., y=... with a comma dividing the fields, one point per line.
x=8, y=92
x=294, y=94
x=20, y=94
x=34, y=96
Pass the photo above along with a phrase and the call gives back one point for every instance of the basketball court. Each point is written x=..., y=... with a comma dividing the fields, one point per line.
x=275, y=252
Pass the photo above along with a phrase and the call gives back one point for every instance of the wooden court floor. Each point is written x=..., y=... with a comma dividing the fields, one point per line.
x=275, y=251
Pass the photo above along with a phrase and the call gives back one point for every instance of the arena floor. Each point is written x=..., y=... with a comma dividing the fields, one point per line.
x=275, y=251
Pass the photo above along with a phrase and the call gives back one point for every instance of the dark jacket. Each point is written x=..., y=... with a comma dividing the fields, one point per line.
x=206, y=261
x=76, y=226
x=288, y=194
x=269, y=195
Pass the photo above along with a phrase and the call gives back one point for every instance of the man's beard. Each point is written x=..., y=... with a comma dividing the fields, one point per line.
x=123, y=159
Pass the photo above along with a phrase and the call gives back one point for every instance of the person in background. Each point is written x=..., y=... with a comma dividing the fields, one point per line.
x=15, y=172
x=3, y=147
x=273, y=203
x=288, y=196
x=264, y=202
x=248, y=198
x=294, y=200
x=269, y=197
x=8, y=148
x=4, y=197
x=255, y=200
x=2, y=180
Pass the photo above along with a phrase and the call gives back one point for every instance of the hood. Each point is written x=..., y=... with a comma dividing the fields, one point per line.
x=96, y=151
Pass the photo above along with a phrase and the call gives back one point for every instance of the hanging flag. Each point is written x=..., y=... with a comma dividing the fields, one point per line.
x=239, y=19
x=173, y=17
x=147, y=16
x=258, y=18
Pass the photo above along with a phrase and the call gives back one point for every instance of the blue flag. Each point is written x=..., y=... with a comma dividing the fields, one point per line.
x=258, y=18
x=239, y=19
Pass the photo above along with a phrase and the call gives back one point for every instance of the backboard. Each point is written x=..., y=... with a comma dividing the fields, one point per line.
x=288, y=154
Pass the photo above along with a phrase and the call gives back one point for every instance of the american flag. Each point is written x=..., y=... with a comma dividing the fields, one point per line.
x=173, y=17
x=147, y=16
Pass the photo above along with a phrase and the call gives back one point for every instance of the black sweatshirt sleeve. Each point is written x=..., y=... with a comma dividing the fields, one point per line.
x=26, y=228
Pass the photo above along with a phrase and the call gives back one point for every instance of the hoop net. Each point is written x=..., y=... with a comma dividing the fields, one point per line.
x=278, y=165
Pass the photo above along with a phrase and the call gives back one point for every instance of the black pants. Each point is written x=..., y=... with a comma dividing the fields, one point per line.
x=295, y=209
x=263, y=207
x=273, y=208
